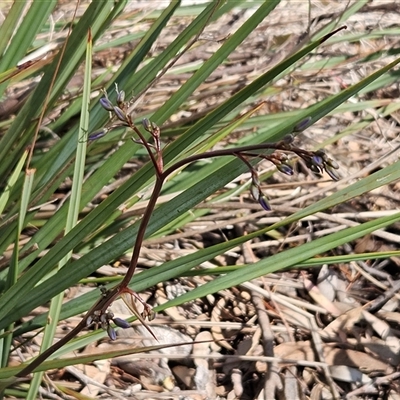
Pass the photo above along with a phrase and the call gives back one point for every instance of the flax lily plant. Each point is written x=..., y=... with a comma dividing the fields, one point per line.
x=39, y=154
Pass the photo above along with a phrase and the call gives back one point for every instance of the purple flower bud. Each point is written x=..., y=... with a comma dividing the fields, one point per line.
x=121, y=323
x=286, y=169
x=111, y=332
x=317, y=160
x=106, y=104
x=98, y=134
x=146, y=124
x=258, y=196
x=120, y=114
x=305, y=123
x=264, y=203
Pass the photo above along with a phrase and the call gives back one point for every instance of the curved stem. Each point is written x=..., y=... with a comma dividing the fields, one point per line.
x=104, y=302
x=142, y=230
x=234, y=152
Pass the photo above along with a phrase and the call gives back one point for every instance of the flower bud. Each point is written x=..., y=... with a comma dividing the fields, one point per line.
x=120, y=114
x=121, y=323
x=257, y=194
x=286, y=169
x=111, y=332
x=98, y=134
x=264, y=203
x=317, y=161
x=146, y=124
x=305, y=123
x=106, y=104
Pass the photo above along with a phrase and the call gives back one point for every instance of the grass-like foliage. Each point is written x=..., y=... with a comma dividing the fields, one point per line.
x=67, y=141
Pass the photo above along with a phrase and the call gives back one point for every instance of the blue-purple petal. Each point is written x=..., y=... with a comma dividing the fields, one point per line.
x=111, y=332
x=285, y=169
x=120, y=114
x=106, y=104
x=305, y=123
x=264, y=203
x=98, y=134
x=121, y=323
x=317, y=160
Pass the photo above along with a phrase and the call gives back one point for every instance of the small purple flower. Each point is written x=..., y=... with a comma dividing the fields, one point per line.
x=111, y=332
x=106, y=104
x=317, y=161
x=264, y=203
x=121, y=323
x=285, y=168
x=305, y=123
x=257, y=194
x=104, y=319
x=98, y=134
x=120, y=114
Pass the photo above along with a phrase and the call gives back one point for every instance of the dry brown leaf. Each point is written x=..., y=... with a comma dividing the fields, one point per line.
x=295, y=351
x=356, y=359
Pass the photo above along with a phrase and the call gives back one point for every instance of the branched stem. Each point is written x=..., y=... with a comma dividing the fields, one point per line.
x=317, y=161
x=106, y=300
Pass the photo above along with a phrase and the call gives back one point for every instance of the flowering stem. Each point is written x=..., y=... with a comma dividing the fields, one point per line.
x=318, y=160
